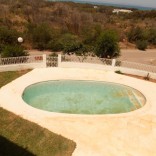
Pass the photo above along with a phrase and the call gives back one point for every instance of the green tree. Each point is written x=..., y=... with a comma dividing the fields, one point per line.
x=7, y=37
x=107, y=45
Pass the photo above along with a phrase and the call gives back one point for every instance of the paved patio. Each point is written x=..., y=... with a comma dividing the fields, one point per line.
x=127, y=134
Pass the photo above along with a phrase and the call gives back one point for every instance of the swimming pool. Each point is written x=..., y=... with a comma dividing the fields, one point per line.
x=83, y=97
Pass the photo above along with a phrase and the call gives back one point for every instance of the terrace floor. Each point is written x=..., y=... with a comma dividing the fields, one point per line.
x=127, y=134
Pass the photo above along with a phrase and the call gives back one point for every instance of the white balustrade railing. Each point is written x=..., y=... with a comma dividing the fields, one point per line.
x=86, y=59
x=21, y=60
x=109, y=62
x=50, y=61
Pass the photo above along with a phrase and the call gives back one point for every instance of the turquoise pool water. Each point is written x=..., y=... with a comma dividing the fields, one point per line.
x=83, y=97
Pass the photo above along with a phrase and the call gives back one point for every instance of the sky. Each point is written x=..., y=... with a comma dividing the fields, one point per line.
x=145, y=3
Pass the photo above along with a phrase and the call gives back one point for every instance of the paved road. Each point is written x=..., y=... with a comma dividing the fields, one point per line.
x=133, y=55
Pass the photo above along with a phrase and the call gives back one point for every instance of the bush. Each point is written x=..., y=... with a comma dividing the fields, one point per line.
x=53, y=54
x=107, y=45
x=40, y=35
x=136, y=34
x=141, y=44
x=66, y=42
x=152, y=36
x=90, y=34
x=55, y=45
x=13, y=51
x=72, y=47
x=8, y=36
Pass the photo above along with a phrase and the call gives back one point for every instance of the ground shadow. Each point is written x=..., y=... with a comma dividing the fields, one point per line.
x=8, y=148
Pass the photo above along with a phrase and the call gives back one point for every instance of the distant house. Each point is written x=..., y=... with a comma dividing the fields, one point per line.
x=122, y=10
x=95, y=7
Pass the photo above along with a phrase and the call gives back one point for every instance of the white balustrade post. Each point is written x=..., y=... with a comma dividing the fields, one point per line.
x=113, y=63
x=59, y=60
x=44, y=60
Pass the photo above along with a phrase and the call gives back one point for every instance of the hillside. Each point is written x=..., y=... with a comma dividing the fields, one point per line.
x=82, y=21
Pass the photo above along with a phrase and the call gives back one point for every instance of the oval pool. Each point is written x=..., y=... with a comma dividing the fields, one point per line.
x=83, y=97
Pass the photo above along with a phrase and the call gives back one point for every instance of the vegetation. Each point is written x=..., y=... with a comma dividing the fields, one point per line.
x=6, y=77
x=136, y=34
x=40, y=35
x=39, y=142
x=107, y=45
x=15, y=136
x=147, y=77
x=13, y=51
x=68, y=26
x=9, y=47
x=119, y=72
x=141, y=44
x=7, y=36
x=142, y=38
x=152, y=36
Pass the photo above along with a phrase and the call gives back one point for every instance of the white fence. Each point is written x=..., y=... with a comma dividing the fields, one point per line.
x=109, y=64
x=42, y=61
x=23, y=62
x=84, y=59
x=22, y=59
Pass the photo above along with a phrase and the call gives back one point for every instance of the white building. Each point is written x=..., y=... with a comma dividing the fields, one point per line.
x=122, y=10
x=95, y=7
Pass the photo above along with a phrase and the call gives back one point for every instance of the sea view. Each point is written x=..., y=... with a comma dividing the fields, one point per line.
x=108, y=4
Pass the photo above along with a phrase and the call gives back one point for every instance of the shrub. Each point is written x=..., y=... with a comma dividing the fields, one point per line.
x=107, y=45
x=8, y=36
x=90, y=34
x=69, y=43
x=53, y=55
x=72, y=47
x=40, y=35
x=141, y=44
x=152, y=36
x=13, y=51
x=147, y=77
x=55, y=45
x=136, y=34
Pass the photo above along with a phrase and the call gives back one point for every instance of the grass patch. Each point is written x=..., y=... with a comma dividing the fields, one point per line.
x=33, y=139
x=6, y=77
x=19, y=137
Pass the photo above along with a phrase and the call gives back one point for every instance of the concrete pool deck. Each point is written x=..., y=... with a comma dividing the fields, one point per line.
x=127, y=134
